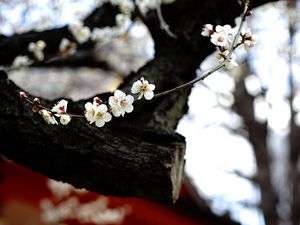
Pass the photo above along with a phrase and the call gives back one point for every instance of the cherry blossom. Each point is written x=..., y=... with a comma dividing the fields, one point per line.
x=101, y=115
x=37, y=49
x=48, y=116
x=90, y=110
x=65, y=119
x=23, y=95
x=248, y=38
x=123, y=20
x=80, y=32
x=120, y=103
x=207, y=30
x=221, y=36
x=143, y=87
x=66, y=47
x=60, y=107
x=21, y=60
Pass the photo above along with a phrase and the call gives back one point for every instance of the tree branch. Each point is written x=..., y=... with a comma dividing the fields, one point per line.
x=15, y=45
x=138, y=155
x=258, y=138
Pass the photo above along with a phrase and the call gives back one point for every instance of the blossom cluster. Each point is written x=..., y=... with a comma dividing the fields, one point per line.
x=223, y=37
x=95, y=112
x=82, y=33
x=67, y=202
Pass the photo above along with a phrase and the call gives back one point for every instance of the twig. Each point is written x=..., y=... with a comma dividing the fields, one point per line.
x=163, y=24
x=219, y=66
x=43, y=107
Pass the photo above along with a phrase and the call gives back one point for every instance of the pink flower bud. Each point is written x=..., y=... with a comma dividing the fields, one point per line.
x=97, y=101
x=36, y=101
x=35, y=109
x=23, y=95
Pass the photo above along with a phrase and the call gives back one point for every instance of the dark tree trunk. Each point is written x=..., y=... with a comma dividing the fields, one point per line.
x=139, y=155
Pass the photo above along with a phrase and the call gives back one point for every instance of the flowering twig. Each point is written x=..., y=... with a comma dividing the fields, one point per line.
x=120, y=103
x=219, y=66
x=96, y=112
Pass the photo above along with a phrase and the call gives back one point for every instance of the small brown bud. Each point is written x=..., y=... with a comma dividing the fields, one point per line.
x=97, y=100
x=36, y=101
x=23, y=95
x=249, y=13
x=35, y=109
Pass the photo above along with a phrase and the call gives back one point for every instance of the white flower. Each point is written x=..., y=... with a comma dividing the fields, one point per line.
x=226, y=29
x=207, y=30
x=89, y=113
x=248, y=39
x=80, y=32
x=126, y=6
x=101, y=115
x=120, y=103
x=66, y=47
x=21, y=60
x=221, y=36
x=123, y=20
x=103, y=34
x=60, y=107
x=37, y=49
x=143, y=88
x=48, y=117
x=65, y=119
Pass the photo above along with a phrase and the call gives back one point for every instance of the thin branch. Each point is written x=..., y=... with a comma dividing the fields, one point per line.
x=163, y=24
x=219, y=66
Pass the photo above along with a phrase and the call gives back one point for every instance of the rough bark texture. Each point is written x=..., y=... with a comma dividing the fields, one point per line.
x=139, y=155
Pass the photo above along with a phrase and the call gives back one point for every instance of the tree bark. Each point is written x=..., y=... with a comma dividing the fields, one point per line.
x=258, y=138
x=139, y=155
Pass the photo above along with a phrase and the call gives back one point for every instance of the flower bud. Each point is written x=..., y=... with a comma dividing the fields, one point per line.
x=35, y=109
x=97, y=101
x=36, y=101
x=23, y=95
x=249, y=13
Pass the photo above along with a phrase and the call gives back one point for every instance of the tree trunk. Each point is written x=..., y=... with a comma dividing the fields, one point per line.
x=139, y=155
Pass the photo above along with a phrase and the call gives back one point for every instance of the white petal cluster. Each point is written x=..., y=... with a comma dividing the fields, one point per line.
x=80, y=32
x=123, y=20
x=120, y=103
x=64, y=119
x=248, y=39
x=222, y=36
x=48, y=116
x=37, y=48
x=101, y=115
x=105, y=34
x=66, y=47
x=95, y=112
x=98, y=113
x=90, y=110
x=146, y=5
x=61, y=109
x=143, y=88
x=207, y=30
x=20, y=61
